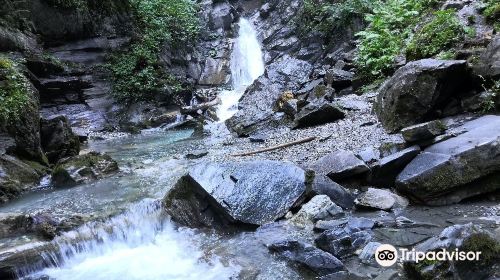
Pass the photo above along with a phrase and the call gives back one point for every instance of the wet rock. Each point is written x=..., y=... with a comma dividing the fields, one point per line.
x=403, y=237
x=342, y=275
x=196, y=154
x=221, y=194
x=340, y=165
x=380, y=199
x=466, y=238
x=14, y=40
x=62, y=83
x=222, y=16
x=423, y=131
x=345, y=226
x=308, y=211
x=317, y=114
x=308, y=256
x=338, y=194
x=43, y=67
x=15, y=177
x=83, y=169
x=367, y=255
x=341, y=244
x=489, y=62
x=458, y=168
x=419, y=90
x=385, y=171
x=58, y=140
x=338, y=78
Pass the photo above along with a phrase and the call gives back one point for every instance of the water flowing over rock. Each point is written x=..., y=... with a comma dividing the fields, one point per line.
x=220, y=194
x=458, y=168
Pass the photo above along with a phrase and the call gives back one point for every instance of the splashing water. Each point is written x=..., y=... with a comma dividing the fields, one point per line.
x=140, y=244
x=247, y=65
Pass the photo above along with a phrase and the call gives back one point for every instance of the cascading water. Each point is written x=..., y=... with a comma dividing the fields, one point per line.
x=247, y=65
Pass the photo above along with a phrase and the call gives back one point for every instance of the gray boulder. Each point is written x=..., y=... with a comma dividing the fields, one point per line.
x=338, y=194
x=423, y=131
x=221, y=194
x=15, y=177
x=385, y=171
x=308, y=256
x=340, y=165
x=380, y=199
x=317, y=114
x=420, y=90
x=458, y=168
x=341, y=244
x=338, y=78
x=58, y=140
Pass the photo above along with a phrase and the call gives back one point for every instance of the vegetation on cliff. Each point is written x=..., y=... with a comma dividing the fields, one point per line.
x=14, y=90
x=137, y=73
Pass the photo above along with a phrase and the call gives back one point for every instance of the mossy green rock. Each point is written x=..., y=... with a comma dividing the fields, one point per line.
x=83, y=169
x=15, y=177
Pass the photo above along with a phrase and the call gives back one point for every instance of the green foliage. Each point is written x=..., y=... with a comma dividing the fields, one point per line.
x=14, y=90
x=136, y=73
x=492, y=13
x=327, y=15
x=441, y=33
x=391, y=26
x=490, y=103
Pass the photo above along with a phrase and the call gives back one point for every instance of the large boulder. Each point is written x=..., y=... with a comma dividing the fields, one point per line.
x=420, y=90
x=338, y=194
x=15, y=177
x=58, y=140
x=221, y=194
x=317, y=114
x=83, y=169
x=385, y=170
x=339, y=165
x=458, y=168
x=464, y=238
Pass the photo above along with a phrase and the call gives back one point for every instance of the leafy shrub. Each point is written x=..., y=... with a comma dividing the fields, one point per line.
x=136, y=73
x=492, y=13
x=14, y=90
x=390, y=27
x=327, y=15
x=441, y=33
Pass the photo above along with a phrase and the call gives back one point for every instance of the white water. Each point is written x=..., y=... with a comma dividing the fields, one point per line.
x=139, y=244
x=247, y=65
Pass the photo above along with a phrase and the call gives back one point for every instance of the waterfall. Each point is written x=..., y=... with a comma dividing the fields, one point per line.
x=247, y=64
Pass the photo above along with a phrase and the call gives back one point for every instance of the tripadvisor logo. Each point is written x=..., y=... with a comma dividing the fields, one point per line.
x=387, y=255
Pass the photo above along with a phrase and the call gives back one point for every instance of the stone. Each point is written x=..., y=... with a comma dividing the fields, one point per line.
x=329, y=224
x=367, y=254
x=380, y=199
x=385, y=171
x=423, y=131
x=338, y=194
x=306, y=255
x=338, y=79
x=196, y=154
x=458, y=168
x=489, y=62
x=332, y=212
x=83, y=169
x=466, y=238
x=222, y=194
x=342, y=245
x=341, y=275
x=15, y=177
x=419, y=90
x=305, y=216
x=58, y=140
x=317, y=114
x=257, y=138
x=340, y=165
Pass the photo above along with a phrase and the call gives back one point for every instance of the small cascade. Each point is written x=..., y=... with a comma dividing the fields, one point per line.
x=139, y=244
x=247, y=64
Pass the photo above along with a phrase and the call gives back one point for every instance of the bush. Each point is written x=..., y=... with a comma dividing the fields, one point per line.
x=14, y=90
x=441, y=33
x=492, y=13
x=327, y=15
x=390, y=27
x=136, y=73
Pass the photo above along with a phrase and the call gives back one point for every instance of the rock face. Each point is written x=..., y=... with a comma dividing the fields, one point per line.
x=314, y=259
x=458, y=168
x=420, y=90
x=58, y=140
x=340, y=165
x=219, y=194
x=83, y=169
x=489, y=62
x=467, y=238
